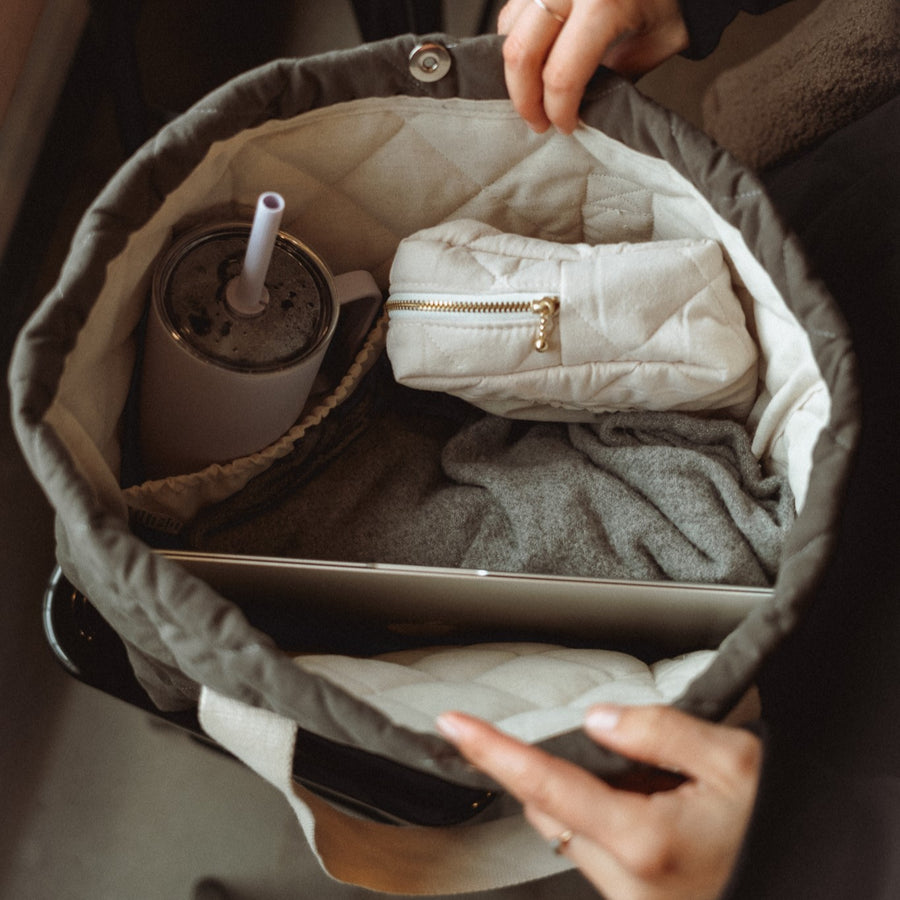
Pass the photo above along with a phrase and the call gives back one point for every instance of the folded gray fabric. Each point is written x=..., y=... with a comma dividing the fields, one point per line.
x=634, y=495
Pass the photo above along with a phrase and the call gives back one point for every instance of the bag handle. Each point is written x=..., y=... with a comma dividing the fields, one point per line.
x=409, y=859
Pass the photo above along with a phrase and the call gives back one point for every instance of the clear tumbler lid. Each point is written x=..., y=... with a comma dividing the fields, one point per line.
x=190, y=285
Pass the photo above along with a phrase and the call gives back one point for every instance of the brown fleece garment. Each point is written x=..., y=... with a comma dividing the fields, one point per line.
x=840, y=62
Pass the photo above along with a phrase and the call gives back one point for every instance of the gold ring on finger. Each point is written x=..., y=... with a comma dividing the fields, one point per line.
x=550, y=12
x=561, y=842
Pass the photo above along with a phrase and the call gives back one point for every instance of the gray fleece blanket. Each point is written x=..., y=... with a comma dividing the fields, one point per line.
x=409, y=477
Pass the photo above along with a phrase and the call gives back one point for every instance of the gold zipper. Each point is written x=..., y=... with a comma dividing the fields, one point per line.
x=545, y=308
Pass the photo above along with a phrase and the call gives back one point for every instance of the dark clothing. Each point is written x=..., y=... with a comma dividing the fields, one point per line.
x=819, y=835
x=831, y=693
x=707, y=19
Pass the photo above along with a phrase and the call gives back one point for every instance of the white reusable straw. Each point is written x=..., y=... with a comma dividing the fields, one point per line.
x=246, y=294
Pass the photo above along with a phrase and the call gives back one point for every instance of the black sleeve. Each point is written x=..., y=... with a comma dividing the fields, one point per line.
x=817, y=833
x=831, y=832
x=707, y=19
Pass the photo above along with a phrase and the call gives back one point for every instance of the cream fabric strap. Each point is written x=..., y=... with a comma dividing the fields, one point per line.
x=397, y=860
x=550, y=12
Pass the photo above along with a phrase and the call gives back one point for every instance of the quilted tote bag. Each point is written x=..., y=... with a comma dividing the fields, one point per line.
x=333, y=697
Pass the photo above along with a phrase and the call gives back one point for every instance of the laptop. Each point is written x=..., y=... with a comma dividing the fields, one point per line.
x=403, y=604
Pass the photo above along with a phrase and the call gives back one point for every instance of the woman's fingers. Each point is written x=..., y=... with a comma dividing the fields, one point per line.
x=553, y=48
x=674, y=845
x=575, y=55
x=600, y=865
x=508, y=14
x=723, y=761
x=670, y=739
x=552, y=786
x=531, y=33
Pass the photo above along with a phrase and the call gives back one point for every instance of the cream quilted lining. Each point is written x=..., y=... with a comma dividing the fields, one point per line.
x=533, y=691
x=357, y=178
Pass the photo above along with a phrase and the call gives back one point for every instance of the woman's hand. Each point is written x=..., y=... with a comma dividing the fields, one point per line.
x=679, y=843
x=553, y=47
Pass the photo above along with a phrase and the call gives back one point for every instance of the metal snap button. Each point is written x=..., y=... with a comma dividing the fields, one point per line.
x=430, y=62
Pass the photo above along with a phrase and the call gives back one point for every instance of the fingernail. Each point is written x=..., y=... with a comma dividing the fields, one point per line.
x=603, y=718
x=449, y=725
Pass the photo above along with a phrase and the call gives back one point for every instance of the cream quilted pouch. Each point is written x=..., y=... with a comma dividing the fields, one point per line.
x=534, y=329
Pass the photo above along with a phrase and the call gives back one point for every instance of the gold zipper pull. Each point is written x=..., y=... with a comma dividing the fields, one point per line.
x=546, y=308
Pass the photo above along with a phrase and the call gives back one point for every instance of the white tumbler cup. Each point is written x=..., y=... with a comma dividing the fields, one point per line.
x=217, y=383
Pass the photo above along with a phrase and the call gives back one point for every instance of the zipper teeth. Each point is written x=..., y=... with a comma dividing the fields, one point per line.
x=460, y=306
x=543, y=308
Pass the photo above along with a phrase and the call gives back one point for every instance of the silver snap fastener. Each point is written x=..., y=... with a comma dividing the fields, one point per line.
x=429, y=62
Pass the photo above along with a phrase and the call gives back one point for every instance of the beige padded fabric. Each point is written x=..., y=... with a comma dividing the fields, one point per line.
x=533, y=691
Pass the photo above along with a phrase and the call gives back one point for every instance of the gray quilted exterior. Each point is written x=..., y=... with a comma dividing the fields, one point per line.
x=178, y=631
